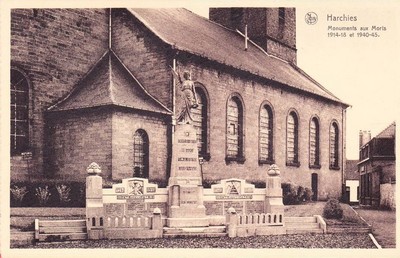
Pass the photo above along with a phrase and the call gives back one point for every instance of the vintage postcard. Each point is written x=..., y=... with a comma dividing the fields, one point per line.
x=200, y=129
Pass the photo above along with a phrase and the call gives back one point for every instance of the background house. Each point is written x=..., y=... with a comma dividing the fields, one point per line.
x=377, y=166
x=96, y=85
x=352, y=182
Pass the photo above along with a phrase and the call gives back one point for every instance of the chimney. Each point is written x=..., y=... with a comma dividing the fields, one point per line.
x=273, y=29
x=364, y=137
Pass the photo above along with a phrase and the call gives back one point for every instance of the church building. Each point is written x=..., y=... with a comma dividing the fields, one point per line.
x=96, y=85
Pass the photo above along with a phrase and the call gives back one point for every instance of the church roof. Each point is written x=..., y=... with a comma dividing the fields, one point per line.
x=351, y=172
x=109, y=82
x=189, y=32
x=388, y=132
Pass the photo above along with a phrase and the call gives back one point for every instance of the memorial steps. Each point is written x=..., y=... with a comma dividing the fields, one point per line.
x=302, y=225
x=60, y=230
x=211, y=231
x=66, y=230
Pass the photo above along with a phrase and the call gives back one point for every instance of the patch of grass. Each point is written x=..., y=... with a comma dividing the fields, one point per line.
x=350, y=216
x=304, y=209
x=383, y=224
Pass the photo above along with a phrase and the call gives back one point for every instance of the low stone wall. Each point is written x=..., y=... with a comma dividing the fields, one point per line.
x=255, y=224
x=133, y=227
x=136, y=208
x=388, y=193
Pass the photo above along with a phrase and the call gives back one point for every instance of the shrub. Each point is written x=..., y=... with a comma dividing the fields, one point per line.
x=293, y=194
x=18, y=193
x=43, y=195
x=289, y=193
x=208, y=182
x=308, y=194
x=332, y=209
x=159, y=182
x=63, y=193
x=258, y=183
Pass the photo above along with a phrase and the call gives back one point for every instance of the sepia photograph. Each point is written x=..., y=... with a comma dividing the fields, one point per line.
x=188, y=129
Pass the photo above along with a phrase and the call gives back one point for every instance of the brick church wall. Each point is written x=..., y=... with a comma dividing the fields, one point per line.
x=263, y=28
x=125, y=124
x=55, y=48
x=144, y=54
x=77, y=139
x=105, y=136
x=220, y=85
x=285, y=34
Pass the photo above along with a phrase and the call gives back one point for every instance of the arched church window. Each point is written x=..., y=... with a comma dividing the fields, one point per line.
x=234, y=129
x=292, y=140
x=266, y=134
x=314, y=143
x=140, y=154
x=334, y=146
x=200, y=122
x=19, y=116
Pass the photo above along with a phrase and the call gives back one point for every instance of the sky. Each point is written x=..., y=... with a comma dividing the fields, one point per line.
x=361, y=71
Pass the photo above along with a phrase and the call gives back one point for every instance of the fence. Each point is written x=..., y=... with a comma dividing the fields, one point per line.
x=244, y=225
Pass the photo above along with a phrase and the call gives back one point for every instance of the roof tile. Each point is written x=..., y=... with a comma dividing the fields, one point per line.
x=110, y=83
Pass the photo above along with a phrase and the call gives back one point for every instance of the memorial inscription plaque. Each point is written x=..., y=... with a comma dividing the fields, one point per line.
x=114, y=209
x=135, y=207
x=238, y=206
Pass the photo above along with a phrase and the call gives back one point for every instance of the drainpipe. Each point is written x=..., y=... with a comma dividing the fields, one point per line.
x=109, y=29
x=245, y=38
x=343, y=144
x=173, y=99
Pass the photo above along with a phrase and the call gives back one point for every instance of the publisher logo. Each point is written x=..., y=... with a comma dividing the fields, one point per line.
x=311, y=18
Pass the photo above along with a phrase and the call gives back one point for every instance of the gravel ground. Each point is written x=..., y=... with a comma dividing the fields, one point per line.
x=280, y=241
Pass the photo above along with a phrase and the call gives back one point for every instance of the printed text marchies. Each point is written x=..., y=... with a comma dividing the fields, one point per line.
x=344, y=17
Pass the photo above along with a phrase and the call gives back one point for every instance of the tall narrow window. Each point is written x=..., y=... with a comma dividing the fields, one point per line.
x=314, y=143
x=281, y=16
x=200, y=117
x=292, y=139
x=266, y=135
x=19, y=107
x=141, y=154
x=334, y=146
x=234, y=129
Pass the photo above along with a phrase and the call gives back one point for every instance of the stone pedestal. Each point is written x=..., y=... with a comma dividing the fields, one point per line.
x=185, y=190
x=273, y=191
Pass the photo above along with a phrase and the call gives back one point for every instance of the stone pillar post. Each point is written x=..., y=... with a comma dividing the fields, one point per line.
x=273, y=191
x=94, y=202
x=232, y=221
x=156, y=222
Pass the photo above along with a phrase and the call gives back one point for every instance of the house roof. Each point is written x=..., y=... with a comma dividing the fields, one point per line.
x=109, y=82
x=388, y=132
x=351, y=172
x=189, y=32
